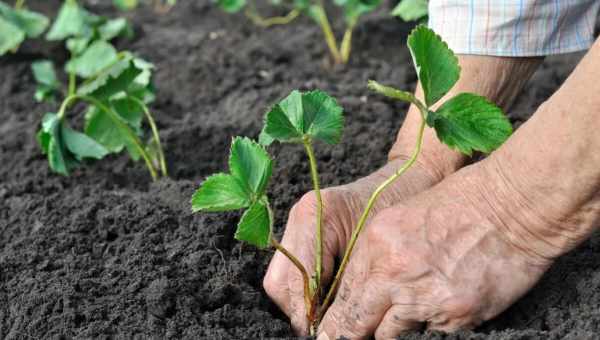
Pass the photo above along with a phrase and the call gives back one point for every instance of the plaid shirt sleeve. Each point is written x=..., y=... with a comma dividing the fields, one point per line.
x=516, y=28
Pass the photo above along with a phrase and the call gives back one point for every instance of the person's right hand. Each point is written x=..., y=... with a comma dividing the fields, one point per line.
x=342, y=207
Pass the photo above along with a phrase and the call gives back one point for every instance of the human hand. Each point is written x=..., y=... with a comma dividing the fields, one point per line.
x=463, y=251
x=342, y=208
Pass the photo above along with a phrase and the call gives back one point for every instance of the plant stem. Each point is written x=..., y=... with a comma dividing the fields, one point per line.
x=346, y=46
x=72, y=83
x=156, y=136
x=400, y=95
x=365, y=215
x=328, y=32
x=19, y=4
x=314, y=174
x=258, y=20
x=117, y=120
x=298, y=264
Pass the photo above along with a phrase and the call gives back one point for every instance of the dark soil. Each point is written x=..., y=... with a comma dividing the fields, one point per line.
x=106, y=253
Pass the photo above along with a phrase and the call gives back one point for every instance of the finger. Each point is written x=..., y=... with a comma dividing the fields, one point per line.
x=359, y=316
x=298, y=311
x=396, y=322
x=276, y=284
x=453, y=325
x=276, y=281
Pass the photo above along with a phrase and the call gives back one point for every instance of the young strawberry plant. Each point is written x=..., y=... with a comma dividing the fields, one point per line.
x=159, y=5
x=314, y=9
x=18, y=23
x=466, y=122
x=411, y=10
x=114, y=85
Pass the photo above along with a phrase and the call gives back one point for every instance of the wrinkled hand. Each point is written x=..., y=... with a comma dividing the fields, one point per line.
x=342, y=208
x=442, y=261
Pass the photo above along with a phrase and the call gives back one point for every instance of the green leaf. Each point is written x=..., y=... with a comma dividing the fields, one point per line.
x=45, y=76
x=125, y=5
x=279, y=127
x=250, y=164
x=50, y=138
x=43, y=134
x=114, y=28
x=255, y=225
x=98, y=56
x=220, y=192
x=231, y=6
x=10, y=36
x=469, y=122
x=436, y=65
x=411, y=10
x=323, y=117
x=111, y=80
x=33, y=24
x=314, y=114
x=353, y=9
x=78, y=45
x=80, y=145
x=43, y=72
x=100, y=127
x=264, y=138
x=71, y=21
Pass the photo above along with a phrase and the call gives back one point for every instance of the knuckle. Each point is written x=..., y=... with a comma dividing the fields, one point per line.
x=272, y=286
x=461, y=307
x=307, y=205
x=381, y=226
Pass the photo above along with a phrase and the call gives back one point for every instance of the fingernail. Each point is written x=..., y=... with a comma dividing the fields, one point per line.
x=323, y=336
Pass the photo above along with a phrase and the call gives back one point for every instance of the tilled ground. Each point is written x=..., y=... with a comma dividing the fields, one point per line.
x=106, y=253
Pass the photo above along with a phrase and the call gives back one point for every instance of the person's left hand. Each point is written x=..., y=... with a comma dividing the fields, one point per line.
x=444, y=260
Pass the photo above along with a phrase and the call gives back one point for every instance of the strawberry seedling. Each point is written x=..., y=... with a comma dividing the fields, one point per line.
x=411, y=10
x=115, y=86
x=18, y=23
x=314, y=9
x=466, y=122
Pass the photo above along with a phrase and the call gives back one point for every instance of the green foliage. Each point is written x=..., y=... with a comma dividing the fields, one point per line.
x=10, y=36
x=244, y=187
x=353, y=9
x=71, y=21
x=116, y=86
x=411, y=10
x=312, y=115
x=64, y=146
x=466, y=122
x=231, y=6
x=255, y=225
x=125, y=5
x=469, y=122
x=18, y=24
x=436, y=65
x=45, y=77
x=95, y=58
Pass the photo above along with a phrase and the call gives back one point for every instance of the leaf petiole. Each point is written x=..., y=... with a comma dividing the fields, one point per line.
x=155, y=135
x=258, y=20
x=399, y=95
x=323, y=21
x=19, y=4
x=346, y=46
x=363, y=219
x=298, y=264
x=116, y=120
x=316, y=283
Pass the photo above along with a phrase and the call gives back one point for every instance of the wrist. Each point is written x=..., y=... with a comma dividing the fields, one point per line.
x=516, y=201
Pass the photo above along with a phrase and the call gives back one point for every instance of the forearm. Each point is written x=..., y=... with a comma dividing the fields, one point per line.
x=492, y=77
x=551, y=167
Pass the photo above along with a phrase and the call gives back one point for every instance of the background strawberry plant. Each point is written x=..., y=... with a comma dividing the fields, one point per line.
x=106, y=252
